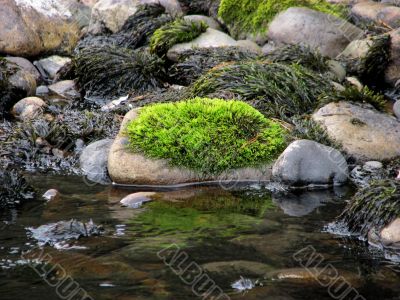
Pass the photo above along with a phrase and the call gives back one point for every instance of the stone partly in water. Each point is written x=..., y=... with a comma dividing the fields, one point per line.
x=136, y=200
x=33, y=27
x=93, y=161
x=307, y=162
x=362, y=131
x=329, y=34
x=52, y=234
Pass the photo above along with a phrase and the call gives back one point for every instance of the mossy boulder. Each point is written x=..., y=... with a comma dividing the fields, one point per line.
x=250, y=19
x=195, y=140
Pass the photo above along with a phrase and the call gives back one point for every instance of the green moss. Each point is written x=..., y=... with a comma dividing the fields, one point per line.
x=206, y=135
x=254, y=16
x=372, y=207
x=111, y=71
x=179, y=31
x=353, y=94
x=275, y=89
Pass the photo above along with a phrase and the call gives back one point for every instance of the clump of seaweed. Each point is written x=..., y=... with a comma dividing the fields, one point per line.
x=371, y=67
x=373, y=207
x=301, y=55
x=353, y=94
x=53, y=143
x=275, y=89
x=195, y=62
x=178, y=31
x=109, y=72
x=14, y=190
x=254, y=16
x=206, y=135
x=136, y=31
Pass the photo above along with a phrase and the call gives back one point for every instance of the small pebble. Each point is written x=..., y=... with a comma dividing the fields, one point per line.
x=136, y=200
x=51, y=194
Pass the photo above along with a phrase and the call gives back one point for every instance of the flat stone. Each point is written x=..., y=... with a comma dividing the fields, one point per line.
x=364, y=133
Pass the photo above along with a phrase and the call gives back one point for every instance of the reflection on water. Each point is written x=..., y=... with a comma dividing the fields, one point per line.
x=244, y=241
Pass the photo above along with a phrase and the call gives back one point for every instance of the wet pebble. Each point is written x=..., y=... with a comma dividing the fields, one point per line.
x=136, y=200
x=51, y=194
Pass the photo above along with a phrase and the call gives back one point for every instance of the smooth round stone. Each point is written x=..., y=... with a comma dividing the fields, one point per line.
x=51, y=194
x=136, y=200
x=396, y=109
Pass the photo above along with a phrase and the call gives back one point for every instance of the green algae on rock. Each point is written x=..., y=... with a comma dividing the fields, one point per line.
x=249, y=16
x=275, y=89
x=178, y=31
x=206, y=135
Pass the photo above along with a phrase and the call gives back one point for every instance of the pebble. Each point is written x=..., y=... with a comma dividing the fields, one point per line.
x=51, y=194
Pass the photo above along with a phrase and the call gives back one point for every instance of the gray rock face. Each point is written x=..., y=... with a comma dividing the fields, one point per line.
x=126, y=167
x=94, y=159
x=307, y=162
x=210, y=39
x=329, y=34
x=52, y=64
x=364, y=133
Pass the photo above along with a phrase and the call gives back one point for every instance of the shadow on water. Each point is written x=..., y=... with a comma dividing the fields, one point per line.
x=246, y=241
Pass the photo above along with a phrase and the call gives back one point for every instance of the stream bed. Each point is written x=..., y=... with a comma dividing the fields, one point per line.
x=191, y=243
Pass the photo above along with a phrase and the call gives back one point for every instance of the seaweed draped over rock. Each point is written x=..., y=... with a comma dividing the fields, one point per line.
x=209, y=136
x=14, y=189
x=275, y=89
x=251, y=16
x=373, y=207
x=178, y=31
x=108, y=71
x=53, y=143
x=136, y=31
x=195, y=62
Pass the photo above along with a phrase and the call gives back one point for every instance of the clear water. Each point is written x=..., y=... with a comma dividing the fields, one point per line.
x=248, y=243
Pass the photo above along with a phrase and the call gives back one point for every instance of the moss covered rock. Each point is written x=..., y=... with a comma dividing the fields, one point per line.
x=249, y=18
x=195, y=140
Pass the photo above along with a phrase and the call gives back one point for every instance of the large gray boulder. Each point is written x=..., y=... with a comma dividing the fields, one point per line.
x=306, y=162
x=126, y=167
x=364, y=133
x=94, y=159
x=29, y=28
x=324, y=32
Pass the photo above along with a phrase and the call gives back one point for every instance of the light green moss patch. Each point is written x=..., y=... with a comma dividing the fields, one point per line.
x=178, y=31
x=253, y=16
x=206, y=135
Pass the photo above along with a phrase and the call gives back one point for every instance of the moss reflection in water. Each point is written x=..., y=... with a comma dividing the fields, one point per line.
x=202, y=216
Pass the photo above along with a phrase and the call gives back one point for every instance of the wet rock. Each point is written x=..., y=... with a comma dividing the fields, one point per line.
x=137, y=169
x=396, y=109
x=366, y=139
x=66, y=89
x=328, y=34
x=136, y=200
x=28, y=108
x=51, y=194
x=210, y=39
x=33, y=27
x=199, y=18
x=23, y=83
x=392, y=75
x=53, y=233
x=52, y=65
x=307, y=162
x=390, y=235
x=237, y=267
x=25, y=65
x=380, y=13
x=93, y=161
